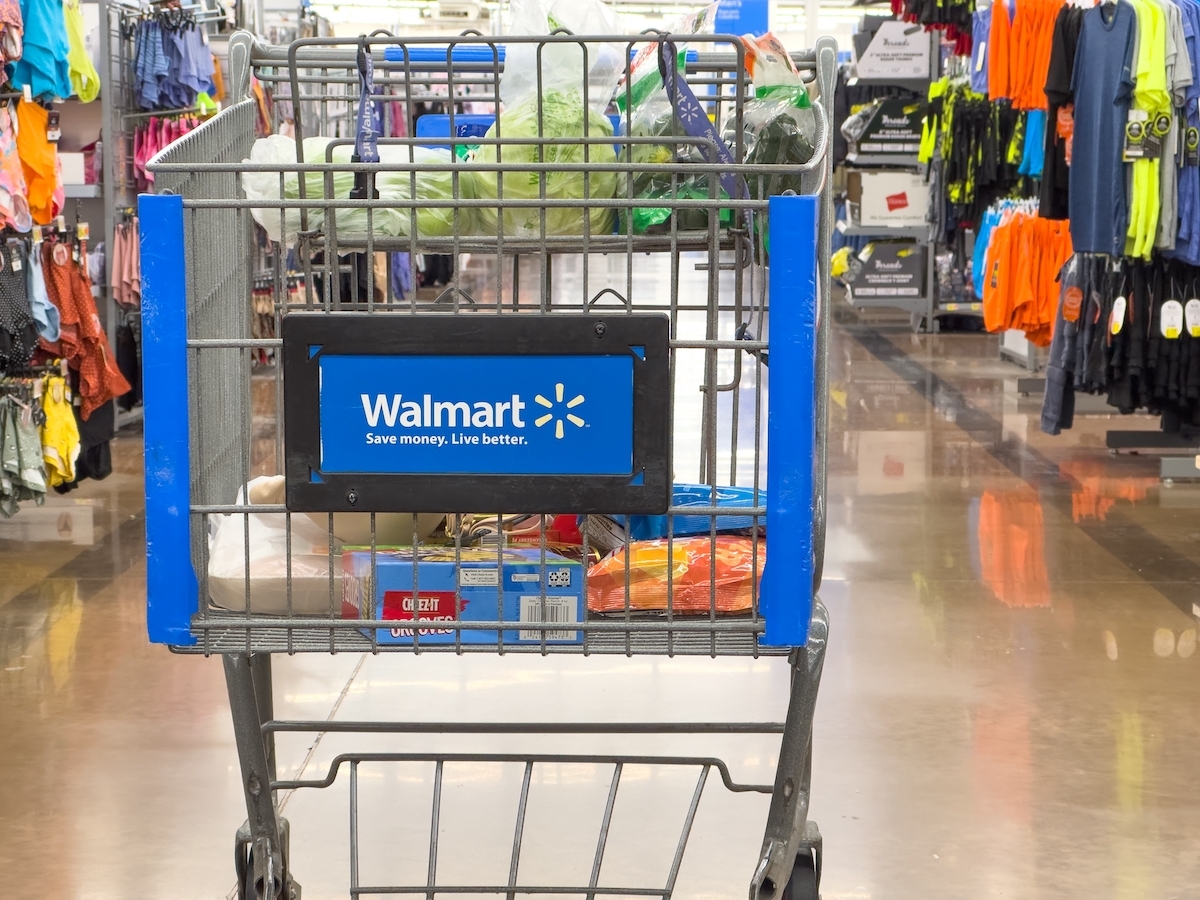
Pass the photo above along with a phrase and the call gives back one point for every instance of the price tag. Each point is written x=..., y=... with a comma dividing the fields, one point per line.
x=1117, y=319
x=53, y=131
x=1191, y=314
x=16, y=261
x=27, y=94
x=82, y=231
x=37, y=234
x=60, y=223
x=1072, y=303
x=1191, y=147
x=1170, y=319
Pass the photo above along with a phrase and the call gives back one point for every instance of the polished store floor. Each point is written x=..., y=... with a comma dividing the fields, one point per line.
x=1009, y=708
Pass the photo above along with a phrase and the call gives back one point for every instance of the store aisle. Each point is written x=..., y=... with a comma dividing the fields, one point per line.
x=1009, y=705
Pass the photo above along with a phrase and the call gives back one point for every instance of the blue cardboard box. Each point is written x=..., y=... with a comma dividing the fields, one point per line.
x=482, y=586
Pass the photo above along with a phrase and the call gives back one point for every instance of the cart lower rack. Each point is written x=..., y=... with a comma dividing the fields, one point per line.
x=522, y=402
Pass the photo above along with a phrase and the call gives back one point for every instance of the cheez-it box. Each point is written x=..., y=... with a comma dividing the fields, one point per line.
x=481, y=585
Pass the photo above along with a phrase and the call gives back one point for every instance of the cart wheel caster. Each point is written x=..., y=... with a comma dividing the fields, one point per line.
x=249, y=889
x=803, y=883
x=243, y=863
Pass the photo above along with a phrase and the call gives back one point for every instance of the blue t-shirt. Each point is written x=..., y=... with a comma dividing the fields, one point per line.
x=43, y=64
x=1034, y=154
x=991, y=218
x=1187, y=239
x=981, y=24
x=1102, y=83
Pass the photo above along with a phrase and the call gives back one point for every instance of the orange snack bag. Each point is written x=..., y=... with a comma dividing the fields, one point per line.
x=692, y=575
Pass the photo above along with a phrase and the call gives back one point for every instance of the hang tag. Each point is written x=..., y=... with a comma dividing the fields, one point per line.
x=37, y=388
x=53, y=131
x=1192, y=317
x=27, y=94
x=82, y=231
x=1170, y=319
x=3, y=260
x=16, y=261
x=37, y=234
x=1152, y=145
x=60, y=223
x=1072, y=302
x=1135, y=140
x=1117, y=319
x=981, y=58
x=1191, y=147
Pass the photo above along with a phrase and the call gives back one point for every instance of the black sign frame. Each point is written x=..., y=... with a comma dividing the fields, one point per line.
x=308, y=335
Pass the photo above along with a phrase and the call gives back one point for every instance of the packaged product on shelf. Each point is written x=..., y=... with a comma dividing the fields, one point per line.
x=691, y=568
x=396, y=186
x=542, y=88
x=474, y=585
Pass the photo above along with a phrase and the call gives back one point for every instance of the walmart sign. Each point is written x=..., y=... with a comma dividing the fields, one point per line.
x=483, y=415
x=743, y=17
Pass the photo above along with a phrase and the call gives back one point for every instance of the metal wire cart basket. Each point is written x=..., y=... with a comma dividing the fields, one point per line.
x=556, y=444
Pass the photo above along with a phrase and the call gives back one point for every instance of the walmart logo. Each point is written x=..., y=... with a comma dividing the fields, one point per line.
x=573, y=403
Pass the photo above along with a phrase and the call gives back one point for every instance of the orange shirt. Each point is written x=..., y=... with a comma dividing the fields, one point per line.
x=998, y=55
x=39, y=160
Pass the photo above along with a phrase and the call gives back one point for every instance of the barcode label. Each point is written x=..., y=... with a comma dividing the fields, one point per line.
x=564, y=610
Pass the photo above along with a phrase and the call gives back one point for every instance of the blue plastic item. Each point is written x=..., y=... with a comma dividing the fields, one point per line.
x=460, y=53
x=645, y=528
x=465, y=126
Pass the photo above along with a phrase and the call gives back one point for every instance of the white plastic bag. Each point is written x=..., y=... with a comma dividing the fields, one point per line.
x=268, y=560
x=394, y=186
x=563, y=65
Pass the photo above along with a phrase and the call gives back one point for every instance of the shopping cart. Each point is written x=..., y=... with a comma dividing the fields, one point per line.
x=692, y=359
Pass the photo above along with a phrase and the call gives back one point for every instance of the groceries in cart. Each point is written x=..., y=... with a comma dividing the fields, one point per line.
x=560, y=115
x=433, y=182
x=251, y=551
x=686, y=575
x=779, y=127
x=436, y=585
x=553, y=117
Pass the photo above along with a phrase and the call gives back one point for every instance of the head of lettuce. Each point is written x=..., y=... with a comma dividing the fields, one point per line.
x=561, y=115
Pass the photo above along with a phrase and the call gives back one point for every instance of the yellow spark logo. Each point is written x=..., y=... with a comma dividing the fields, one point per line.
x=577, y=400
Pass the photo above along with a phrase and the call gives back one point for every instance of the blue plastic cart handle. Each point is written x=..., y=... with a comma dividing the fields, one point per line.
x=171, y=587
x=787, y=592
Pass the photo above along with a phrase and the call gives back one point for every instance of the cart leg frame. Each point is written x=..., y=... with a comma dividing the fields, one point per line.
x=263, y=841
x=788, y=831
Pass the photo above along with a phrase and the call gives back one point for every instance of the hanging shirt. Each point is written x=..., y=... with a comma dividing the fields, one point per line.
x=1032, y=156
x=45, y=313
x=1181, y=77
x=1187, y=240
x=1102, y=84
x=43, y=64
x=39, y=160
x=998, y=49
x=1151, y=97
x=1056, y=175
x=149, y=64
x=85, y=81
x=981, y=25
x=14, y=204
